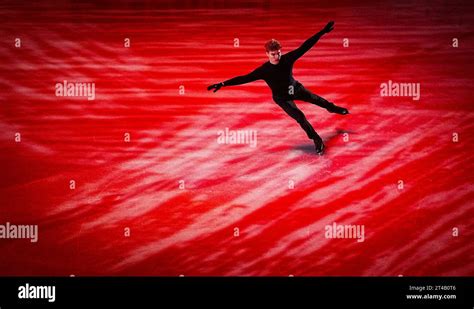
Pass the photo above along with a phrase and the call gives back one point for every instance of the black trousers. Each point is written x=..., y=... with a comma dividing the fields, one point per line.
x=288, y=105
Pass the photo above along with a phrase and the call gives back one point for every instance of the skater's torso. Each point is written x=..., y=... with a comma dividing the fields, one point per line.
x=279, y=77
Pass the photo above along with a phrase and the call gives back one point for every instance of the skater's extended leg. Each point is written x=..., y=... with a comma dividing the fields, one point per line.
x=305, y=95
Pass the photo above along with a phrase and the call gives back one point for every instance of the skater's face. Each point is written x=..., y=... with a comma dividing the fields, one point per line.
x=274, y=56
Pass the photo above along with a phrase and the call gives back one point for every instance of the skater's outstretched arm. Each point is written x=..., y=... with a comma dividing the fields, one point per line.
x=239, y=80
x=300, y=51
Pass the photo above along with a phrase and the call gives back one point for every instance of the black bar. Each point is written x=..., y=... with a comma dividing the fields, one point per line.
x=222, y=292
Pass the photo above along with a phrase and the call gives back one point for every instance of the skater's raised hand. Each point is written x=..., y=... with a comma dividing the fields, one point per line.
x=215, y=87
x=329, y=27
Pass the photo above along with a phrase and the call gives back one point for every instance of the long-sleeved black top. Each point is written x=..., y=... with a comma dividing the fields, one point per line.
x=279, y=77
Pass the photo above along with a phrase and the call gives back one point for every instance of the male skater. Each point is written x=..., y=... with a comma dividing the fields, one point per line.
x=278, y=74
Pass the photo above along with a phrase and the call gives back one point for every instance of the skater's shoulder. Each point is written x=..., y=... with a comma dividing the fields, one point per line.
x=264, y=66
x=288, y=58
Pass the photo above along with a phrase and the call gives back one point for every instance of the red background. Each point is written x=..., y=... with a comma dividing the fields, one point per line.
x=135, y=185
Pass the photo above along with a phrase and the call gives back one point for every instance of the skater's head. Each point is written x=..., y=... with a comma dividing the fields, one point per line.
x=273, y=49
